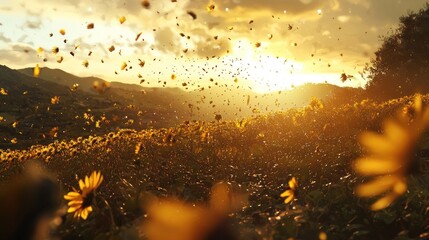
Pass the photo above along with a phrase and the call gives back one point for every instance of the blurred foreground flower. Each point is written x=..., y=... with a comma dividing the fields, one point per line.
x=80, y=203
x=175, y=220
x=29, y=204
x=172, y=219
x=390, y=157
x=290, y=193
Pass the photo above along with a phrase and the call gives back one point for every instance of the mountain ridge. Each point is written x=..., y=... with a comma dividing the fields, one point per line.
x=29, y=110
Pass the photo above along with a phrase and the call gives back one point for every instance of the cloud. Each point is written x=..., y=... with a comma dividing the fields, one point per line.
x=17, y=54
x=33, y=24
x=211, y=47
x=294, y=7
x=4, y=39
x=167, y=41
x=350, y=27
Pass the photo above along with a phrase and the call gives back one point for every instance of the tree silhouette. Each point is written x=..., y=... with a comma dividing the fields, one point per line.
x=401, y=65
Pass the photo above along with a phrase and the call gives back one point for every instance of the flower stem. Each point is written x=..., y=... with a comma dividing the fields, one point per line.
x=112, y=219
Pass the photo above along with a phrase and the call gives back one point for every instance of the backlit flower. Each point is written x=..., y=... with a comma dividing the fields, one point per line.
x=80, y=203
x=290, y=193
x=390, y=156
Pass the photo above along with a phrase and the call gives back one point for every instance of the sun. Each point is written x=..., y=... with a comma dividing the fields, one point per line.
x=269, y=74
x=257, y=68
x=260, y=71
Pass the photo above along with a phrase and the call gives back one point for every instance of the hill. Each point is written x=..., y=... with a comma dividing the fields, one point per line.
x=61, y=77
x=145, y=99
x=29, y=116
x=204, y=103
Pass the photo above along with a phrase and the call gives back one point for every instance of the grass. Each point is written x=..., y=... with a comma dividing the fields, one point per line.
x=316, y=144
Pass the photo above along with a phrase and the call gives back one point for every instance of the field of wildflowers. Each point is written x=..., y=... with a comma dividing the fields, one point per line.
x=297, y=174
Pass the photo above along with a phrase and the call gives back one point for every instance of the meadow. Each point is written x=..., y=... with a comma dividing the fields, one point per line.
x=256, y=157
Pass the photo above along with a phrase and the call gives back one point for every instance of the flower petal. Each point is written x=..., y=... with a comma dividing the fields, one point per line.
x=87, y=182
x=84, y=214
x=72, y=209
x=293, y=183
x=72, y=196
x=75, y=203
x=89, y=209
x=286, y=193
x=100, y=180
x=91, y=180
x=96, y=179
x=400, y=187
x=384, y=202
x=81, y=185
x=289, y=199
x=376, y=166
x=377, y=186
x=395, y=133
x=376, y=143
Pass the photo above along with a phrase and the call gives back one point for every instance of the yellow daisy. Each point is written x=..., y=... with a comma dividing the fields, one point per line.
x=80, y=202
x=390, y=156
x=290, y=193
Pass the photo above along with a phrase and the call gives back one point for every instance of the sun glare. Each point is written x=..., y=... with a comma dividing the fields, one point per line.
x=262, y=72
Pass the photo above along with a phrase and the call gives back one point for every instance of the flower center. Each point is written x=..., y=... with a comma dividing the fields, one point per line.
x=88, y=200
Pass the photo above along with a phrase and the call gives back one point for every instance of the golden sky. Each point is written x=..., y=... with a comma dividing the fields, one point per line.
x=300, y=40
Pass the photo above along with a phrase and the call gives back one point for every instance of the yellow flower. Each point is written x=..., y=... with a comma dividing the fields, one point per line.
x=80, y=202
x=390, y=156
x=172, y=219
x=290, y=193
x=3, y=91
x=55, y=100
x=323, y=236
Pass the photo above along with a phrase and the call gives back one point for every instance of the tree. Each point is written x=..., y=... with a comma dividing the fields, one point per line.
x=401, y=65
